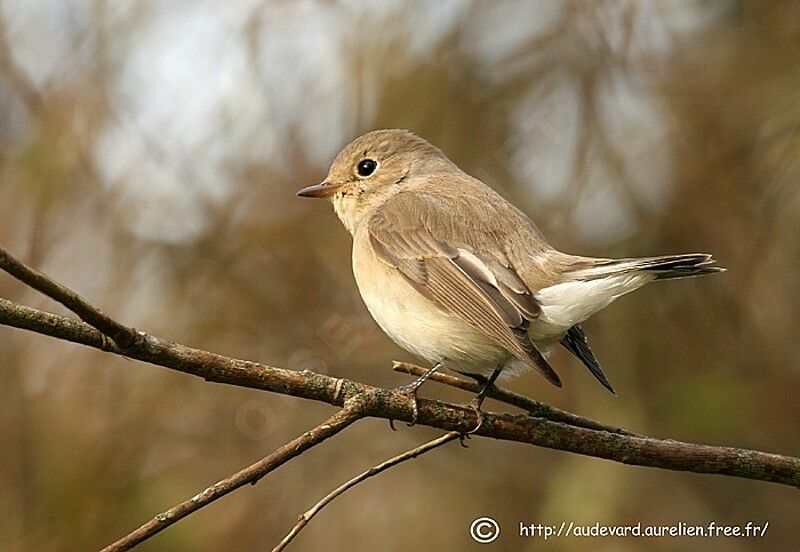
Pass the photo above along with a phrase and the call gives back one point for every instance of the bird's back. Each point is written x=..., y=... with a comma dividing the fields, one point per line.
x=466, y=213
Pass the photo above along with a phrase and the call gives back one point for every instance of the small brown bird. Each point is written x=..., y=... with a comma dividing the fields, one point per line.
x=457, y=275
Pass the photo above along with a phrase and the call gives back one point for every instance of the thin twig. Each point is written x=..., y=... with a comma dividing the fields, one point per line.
x=351, y=412
x=532, y=407
x=303, y=520
x=118, y=333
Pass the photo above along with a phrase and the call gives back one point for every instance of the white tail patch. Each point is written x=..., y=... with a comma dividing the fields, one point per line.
x=569, y=303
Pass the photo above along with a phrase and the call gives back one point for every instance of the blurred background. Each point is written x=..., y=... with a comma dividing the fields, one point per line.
x=149, y=155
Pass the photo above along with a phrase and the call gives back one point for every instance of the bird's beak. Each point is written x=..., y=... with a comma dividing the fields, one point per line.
x=323, y=189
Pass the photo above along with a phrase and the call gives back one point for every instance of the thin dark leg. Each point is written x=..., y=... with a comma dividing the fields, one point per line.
x=476, y=403
x=412, y=388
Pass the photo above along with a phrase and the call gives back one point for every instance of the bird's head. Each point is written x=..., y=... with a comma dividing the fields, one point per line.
x=371, y=169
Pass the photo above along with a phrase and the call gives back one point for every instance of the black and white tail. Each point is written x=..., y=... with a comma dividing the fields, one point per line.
x=592, y=284
x=663, y=268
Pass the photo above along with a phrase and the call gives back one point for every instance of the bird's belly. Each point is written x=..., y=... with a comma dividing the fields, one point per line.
x=420, y=326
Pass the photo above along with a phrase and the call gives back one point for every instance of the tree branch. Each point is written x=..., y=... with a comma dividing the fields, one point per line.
x=351, y=412
x=570, y=433
x=303, y=520
x=121, y=335
x=390, y=404
x=532, y=407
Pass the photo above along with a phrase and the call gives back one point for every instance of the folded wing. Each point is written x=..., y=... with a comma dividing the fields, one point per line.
x=483, y=289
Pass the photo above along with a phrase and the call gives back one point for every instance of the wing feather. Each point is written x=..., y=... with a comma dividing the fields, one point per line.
x=486, y=293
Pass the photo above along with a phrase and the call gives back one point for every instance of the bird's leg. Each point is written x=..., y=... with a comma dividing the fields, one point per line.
x=475, y=404
x=411, y=390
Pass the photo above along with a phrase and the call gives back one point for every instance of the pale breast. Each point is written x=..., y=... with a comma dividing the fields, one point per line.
x=417, y=324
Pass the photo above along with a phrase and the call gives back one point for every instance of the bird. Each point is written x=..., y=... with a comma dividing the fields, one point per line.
x=457, y=275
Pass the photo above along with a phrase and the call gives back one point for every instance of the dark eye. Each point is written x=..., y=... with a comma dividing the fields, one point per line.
x=366, y=167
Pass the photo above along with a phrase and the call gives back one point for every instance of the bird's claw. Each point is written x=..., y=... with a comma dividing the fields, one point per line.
x=409, y=389
x=475, y=405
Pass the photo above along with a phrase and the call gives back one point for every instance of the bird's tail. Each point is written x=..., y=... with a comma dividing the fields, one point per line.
x=592, y=284
x=663, y=268
x=595, y=283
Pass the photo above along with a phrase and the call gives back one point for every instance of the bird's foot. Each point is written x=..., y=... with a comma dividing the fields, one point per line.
x=475, y=405
x=411, y=390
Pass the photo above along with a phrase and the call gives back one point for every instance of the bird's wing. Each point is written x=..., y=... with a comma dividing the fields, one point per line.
x=575, y=342
x=479, y=286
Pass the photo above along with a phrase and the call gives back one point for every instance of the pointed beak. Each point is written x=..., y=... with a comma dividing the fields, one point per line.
x=323, y=189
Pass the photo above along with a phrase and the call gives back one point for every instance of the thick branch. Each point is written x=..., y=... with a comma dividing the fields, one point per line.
x=351, y=412
x=627, y=449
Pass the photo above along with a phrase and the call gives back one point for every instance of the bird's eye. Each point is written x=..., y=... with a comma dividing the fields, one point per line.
x=366, y=167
